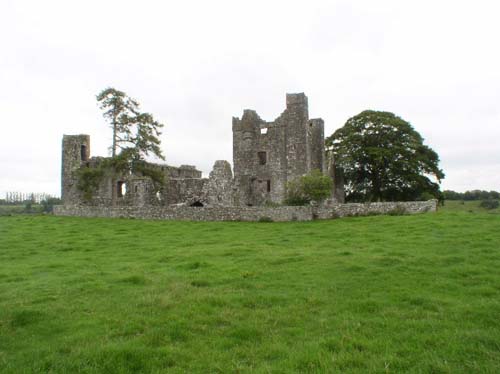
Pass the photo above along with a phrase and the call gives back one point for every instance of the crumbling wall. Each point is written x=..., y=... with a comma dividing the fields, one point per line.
x=266, y=155
x=336, y=173
x=316, y=145
x=216, y=190
x=187, y=191
x=182, y=184
x=220, y=186
x=75, y=151
x=295, y=119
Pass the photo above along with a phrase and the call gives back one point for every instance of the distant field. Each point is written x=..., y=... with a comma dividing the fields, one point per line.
x=8, y=210
x=11, y=209
x=467, y=206
x=381, y=294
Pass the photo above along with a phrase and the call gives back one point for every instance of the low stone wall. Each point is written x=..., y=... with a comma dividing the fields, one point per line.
x=284, y=213
x=366, y=209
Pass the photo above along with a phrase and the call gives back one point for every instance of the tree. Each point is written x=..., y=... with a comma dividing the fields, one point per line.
x=452, y=195
x=489, y=204
x=311, y=187
x=135, y=135
x=384, y=158
x=494, y=195
x=48, y=204
x=118, y=108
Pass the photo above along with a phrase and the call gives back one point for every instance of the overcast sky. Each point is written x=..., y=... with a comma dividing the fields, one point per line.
x=195, y=64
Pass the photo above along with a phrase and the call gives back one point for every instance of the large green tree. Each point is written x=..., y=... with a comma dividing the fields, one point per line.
x=384, y=159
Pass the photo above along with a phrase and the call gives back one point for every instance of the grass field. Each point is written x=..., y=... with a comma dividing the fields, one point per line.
x=382, y=294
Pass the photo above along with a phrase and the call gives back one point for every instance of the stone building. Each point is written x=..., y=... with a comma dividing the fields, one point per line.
x=266, y=155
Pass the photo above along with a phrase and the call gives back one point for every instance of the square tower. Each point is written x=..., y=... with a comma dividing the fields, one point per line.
x=75, y=151
x=266, y=155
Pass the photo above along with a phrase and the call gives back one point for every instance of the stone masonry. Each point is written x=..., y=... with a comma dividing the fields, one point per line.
x=266, y=155
x=255, y=213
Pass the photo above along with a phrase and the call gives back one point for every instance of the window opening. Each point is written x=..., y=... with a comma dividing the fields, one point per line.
x=268, y=186
x=263, y=131
x=262, y=158
x=121, y=188
x=197, y=204
x=83, y=152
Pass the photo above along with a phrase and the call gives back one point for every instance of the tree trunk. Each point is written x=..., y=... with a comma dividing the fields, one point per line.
x=113, y=154
x=113, y=146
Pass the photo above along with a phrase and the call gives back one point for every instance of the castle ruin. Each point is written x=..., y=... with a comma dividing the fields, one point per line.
x=266, y=155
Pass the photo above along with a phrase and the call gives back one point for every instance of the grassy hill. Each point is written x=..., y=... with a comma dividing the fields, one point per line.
x=375, y=294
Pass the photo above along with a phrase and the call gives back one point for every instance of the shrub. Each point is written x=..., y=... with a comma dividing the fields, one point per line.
x=88, y=181
x=313, y=187
x=28, y=207
x=425, y=196
x=489, y=204
x=317, y=187
x=295, y=193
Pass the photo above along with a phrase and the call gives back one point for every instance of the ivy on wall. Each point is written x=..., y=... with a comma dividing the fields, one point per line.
x=89, y=180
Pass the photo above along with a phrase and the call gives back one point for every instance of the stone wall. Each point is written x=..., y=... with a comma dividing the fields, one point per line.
x=267, y=155
x=365, y=209
x=185, y=191
x=220, y=213
x=184, y=184
x=220, y=185
x=75, y=151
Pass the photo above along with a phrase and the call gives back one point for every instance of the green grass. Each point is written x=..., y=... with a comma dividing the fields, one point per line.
x=467, y=206
x=404, y=294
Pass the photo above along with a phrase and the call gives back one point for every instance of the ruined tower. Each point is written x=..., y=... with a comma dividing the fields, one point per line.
x=266, y=155
x=75, y=150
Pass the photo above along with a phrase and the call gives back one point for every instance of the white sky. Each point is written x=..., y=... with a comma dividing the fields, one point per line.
x=195, y=64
